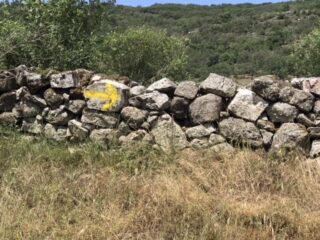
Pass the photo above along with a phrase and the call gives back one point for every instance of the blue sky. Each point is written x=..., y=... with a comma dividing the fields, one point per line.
x=200, y=2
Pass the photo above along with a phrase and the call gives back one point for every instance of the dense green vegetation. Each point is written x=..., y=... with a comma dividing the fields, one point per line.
x=233, y=40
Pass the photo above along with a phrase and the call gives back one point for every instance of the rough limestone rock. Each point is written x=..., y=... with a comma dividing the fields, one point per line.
x=29, y=109
x=21, y=92
x=297, y=82
x=137, y=90
x=7, y=101
x=36, y=82
x=153, y=101
x=8, y=118
x=311, y=85
x=139, y=136
x=215, y=139
x=59, y=117
x=200, y=131
x=133, y=116
x=266, y=87
x=107, y=95
x=239, y=131
x=65, y=80
x=247, y=105
x=59, y=134
x=199, y=143
x=314, y=132
x=33, y=126
x=187, y=90
x=168, y=134
x=266, y=125
x=103, y=135
x=53, y=99
x=78, y=132
x=315, y=148
x=304, y=120
x=223, y=148
x=179, y=107
x=100, y=119
x=7, y=81
x=205, y=109
x=164, y=85
x=316, y=108
x=123, y=129
x=299, y=98
x=219, y=85
x=266, y=137
x=291, y=136
x=282, y=112
x=76, y=106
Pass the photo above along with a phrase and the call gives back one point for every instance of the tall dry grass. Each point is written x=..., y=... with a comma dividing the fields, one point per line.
x=54, y=191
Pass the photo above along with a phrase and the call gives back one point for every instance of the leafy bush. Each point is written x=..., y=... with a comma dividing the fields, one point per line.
x=306, y=56
x=143, y=53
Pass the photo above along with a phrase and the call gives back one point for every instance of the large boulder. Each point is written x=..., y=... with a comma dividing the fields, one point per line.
x=76, y=106
x=133, y=116
x=65, y=80
x=36, y=82
x=53, y=99
x=153, y=101
x=103, y=135
x=241, y=132
x=164, y=85
x=219, y=85
x=299, y=98
x=179, y=107
x=205, y=109
x=168, y=134
x=59, y=134
x=100, y=119
x=78, y=132
x=282, y=112
x=291, y=136
x=7, y=101
x=199, y=132
x=311, y=85
x=8, y=119
x=107, y=95
x=7, y=81
x=59, y=117
x=266, y=87
x=247, y=105
x=187, y=90
x=137, y=90
x=315, y=148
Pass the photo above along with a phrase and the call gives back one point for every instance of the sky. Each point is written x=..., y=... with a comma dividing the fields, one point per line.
x=200, y=2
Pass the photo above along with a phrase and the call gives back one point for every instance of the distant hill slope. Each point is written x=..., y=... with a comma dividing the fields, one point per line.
x=230, y=39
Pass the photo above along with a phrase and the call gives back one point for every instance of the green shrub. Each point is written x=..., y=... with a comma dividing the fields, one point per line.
x=144, y=53
x=306, y=55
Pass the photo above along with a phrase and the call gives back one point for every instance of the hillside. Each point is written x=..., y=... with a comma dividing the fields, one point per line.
x=230, y=39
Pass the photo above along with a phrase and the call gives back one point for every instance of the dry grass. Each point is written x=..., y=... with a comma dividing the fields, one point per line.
x=50, y=191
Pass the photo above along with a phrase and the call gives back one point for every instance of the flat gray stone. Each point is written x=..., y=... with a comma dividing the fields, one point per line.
x=153, y=101
x=219, y=85
x=280, y=112
x=78, y=132
x=164, y=85
x=291, y=136
x=187, y=90
x=205, y=109
x=100, y=119
x=133, y=116
x=266, y=87
x=65, y=80
x=247, y=105
x=298, y=98
x=241, y=132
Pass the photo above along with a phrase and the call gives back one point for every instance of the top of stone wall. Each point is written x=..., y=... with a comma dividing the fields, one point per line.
x=76, y=105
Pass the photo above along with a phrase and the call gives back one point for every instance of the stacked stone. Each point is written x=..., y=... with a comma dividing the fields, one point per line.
x=216, y=113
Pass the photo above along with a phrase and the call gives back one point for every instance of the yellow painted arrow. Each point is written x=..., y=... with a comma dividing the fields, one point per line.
x=110, y=96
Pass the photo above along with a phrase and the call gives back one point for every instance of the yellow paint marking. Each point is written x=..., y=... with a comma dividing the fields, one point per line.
x=110, y=95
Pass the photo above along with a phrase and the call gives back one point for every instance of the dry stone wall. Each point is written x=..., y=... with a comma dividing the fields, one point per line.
x=216, y=113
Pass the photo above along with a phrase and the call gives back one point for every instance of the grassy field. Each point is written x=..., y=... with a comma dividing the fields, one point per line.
x=55, y=191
